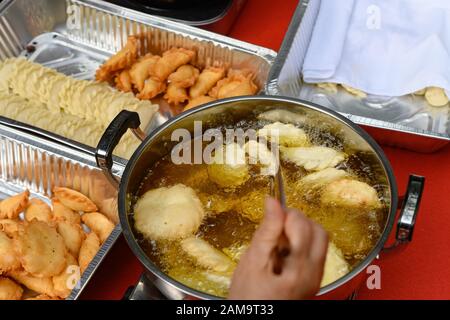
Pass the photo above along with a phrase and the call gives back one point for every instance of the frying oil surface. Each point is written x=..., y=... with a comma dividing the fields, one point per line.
x=234, y=215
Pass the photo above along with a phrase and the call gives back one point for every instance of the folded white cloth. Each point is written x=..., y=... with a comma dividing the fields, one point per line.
x=383, y=47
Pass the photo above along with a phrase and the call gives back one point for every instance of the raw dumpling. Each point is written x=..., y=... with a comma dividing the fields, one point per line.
x=335, y=265
x=205, y=255
x=350, y=193
x=313, y=158
x=228, y=166
x=288, y=135
x=168, y=213
x=258, y=153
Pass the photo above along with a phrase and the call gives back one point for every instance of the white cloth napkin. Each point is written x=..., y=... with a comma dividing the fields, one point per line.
x=383, y=47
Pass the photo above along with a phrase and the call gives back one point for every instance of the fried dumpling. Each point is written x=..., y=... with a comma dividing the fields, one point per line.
x=9, y=290
x=9, y=259
x=171, y=60
x=185, y=76
x=206, y=256
x=122, y=59
x=168, y=213
x=313, y=158
x=140, y=71
x=205, y=81
x=350, y=193
x=286, y=135
x=228, y=167
x=335, y=265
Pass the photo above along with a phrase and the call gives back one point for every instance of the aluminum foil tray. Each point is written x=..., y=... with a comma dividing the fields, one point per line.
x=33, y=162
x=407, y=121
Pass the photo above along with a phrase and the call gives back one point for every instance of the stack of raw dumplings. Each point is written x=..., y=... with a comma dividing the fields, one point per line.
x=76, y=109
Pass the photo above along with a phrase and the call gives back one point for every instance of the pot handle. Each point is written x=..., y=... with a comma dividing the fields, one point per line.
x=103, y=154
x=409, y=209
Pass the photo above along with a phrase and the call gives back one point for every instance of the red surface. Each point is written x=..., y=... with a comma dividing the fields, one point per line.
x=420, y=271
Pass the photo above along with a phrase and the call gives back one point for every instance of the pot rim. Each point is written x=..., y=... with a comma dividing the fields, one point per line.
x=150, y=266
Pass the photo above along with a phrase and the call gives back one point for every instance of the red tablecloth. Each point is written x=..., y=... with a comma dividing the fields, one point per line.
x=421, y=271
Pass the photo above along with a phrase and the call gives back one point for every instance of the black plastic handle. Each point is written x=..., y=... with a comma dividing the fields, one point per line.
x=410, y=209
x=410, y=204
x=103, y=154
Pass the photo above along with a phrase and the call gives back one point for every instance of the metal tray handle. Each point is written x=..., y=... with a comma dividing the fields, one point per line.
x=103, y=154
x=408, y=213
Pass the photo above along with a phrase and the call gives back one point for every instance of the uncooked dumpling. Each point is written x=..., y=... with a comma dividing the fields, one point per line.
x=335, y=265
x=258, y=153
x=228, y=168
x=168, y=213
x=350, y=193
x=313, y=158
x=205, y=255
x=287, y=135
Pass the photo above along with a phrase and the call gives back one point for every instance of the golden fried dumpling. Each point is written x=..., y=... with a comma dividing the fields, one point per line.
x=11, y=207
x=171, y=60
x=228, y=167
x=313, y=158
x=284, y=134
x=122, y=59
x=9, y=260
x=140, y=71
x=64, y=282
x=9, y=290
x=205, y=81
x=350, y=193
x=206, y=256
x=185, y=76
x=42, y=250
x=39, y=210
x=335, y=265
x=42, y=285
x=168, y=213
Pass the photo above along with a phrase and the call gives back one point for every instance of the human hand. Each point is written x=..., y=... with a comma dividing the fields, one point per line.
x=267, y=271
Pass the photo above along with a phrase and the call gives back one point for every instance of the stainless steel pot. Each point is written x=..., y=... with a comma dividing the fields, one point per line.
x=158, y=143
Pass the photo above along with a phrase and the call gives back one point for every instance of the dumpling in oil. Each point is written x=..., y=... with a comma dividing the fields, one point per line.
x=206, y=256
x=260, y=154
x=280, y=115
x=335, y=265
x=350, y=193
x=313, y=158
x=168, y=213
x=286, y=135
x=202, y=280
x=228, y=167
x=321, y=178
